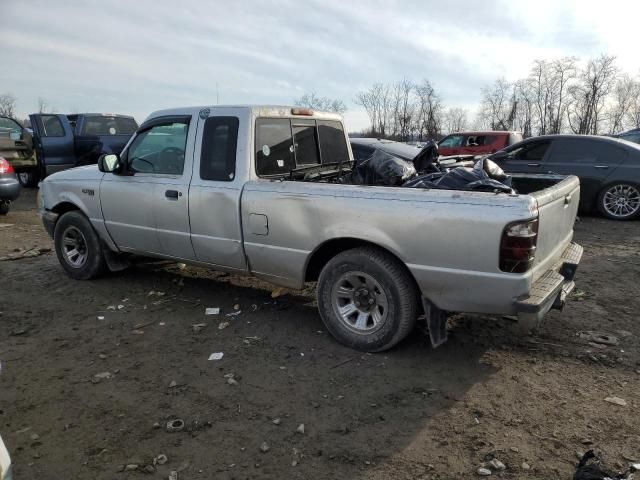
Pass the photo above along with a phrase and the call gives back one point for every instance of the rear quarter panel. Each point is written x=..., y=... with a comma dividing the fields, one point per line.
x=448, y=239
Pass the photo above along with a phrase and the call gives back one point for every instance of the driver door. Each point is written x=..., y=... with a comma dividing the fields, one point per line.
x=147, y=211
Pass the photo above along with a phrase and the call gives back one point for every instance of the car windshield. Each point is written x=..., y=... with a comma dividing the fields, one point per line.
x=9, y=127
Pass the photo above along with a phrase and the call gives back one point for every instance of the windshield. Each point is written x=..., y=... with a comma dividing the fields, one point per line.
x=9, y=128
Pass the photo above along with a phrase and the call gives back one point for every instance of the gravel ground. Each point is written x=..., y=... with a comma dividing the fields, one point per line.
x=93, y=371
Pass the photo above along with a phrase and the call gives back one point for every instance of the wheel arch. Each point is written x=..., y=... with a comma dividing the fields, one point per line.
x=330, y=248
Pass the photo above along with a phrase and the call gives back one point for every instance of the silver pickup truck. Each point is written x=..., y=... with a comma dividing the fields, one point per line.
x=258, y=190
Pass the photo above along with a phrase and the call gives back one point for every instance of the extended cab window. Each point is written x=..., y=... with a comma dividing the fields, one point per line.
x=160, y=149
x=305, y=142
x=219, y=142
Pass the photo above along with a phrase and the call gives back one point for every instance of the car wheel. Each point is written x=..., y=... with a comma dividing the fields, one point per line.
x=28, y=179
x=78, y=246
x=367, y=299
x=4, y=208
x=620, y=201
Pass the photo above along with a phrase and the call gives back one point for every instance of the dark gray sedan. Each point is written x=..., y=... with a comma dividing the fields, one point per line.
x=608, y=168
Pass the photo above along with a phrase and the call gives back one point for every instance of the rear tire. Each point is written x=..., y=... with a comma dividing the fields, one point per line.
x=29, y=178
x=4, y=207
x=367, y=299
x=78, y=246
x=620, y=201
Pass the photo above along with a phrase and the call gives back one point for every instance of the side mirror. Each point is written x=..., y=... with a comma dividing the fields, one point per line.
x=109, y=163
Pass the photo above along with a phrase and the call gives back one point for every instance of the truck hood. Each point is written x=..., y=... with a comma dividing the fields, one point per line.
x=88, y=172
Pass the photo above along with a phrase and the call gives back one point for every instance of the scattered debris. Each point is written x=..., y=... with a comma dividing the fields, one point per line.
x=223, y=325
x=212, y=311
x=232, y=381
x=591, y=471
x=278, y=292
x=197, y=327
x=496, y=464
x=131, y=467
x=19, y=331
x=264, y=447
x=156, y=293
x=599, y=337
x=276, y=421
x=103, y=375
x=483, y=472
x=160, y=459
x=339, y=364
x=525, y=466
x=120, y=307
x=616, y=401
x=34, y=437
x=236, y=306
x=300, y=428
x=174, y=475
x=137, y=332
x=173, y=384
x=216, y=356
x=175, y=425
x=100, y=317
x=233, y=314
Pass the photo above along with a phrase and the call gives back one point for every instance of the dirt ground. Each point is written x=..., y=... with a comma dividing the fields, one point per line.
x=93, y=371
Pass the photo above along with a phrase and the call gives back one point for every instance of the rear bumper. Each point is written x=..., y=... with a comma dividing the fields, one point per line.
x=9, y=187
x=553, y=287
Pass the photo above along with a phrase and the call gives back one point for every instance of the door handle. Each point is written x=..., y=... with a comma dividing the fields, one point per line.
x=533, y=164
x=172, y=194
x=601, y=166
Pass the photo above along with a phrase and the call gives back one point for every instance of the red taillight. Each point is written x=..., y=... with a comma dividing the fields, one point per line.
x=518, y=246
x=5, y=167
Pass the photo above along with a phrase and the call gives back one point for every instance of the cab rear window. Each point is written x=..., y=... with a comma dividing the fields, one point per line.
x=283, y=144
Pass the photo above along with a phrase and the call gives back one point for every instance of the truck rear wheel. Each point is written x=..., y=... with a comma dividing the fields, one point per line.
x=367, y=299
x=78, y=246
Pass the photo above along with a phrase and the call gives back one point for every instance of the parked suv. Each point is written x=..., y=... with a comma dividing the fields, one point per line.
x=476, y=143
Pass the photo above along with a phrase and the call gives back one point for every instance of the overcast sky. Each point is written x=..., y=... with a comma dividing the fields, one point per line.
x=138, y=56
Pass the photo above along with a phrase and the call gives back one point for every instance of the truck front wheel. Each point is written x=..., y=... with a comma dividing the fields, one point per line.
x=367, y=299
x=78, y=246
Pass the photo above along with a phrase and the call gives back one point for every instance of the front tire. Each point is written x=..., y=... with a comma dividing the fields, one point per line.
x=620, y=201
x=78, y=246
x=4, y=207
x=367, y=299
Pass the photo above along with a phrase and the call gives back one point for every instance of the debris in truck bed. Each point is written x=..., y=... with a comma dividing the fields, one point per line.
x=382, y=169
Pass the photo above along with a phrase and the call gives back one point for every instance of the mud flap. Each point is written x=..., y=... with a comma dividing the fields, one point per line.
x=115, y=261
x=436, y=323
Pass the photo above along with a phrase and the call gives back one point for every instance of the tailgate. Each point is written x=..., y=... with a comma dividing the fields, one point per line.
x=557, y=208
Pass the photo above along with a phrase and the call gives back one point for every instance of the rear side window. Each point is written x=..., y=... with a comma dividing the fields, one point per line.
x=530, y=151
x=452, y=141
x=51, y=126
x=578, y=150
x=104, y=125
x=218, y=155
x=274, y=146
x=332, y=142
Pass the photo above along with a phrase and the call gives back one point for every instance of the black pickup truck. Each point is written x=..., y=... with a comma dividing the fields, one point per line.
x=63, y=141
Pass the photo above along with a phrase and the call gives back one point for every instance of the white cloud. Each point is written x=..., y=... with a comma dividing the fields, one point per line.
x=135, y=57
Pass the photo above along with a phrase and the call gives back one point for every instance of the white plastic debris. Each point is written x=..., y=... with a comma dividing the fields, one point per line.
x=216, y=356
x=616, y=401
x=233, y=314
x=223, y=325
x=197, y=327
x=212, y=311
x=120, y=307
x=102, y=375
x=100, y=317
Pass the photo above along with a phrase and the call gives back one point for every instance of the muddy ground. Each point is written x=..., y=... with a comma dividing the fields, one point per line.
x=411, y=413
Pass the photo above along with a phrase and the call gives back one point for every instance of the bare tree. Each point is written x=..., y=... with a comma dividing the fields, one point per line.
x=403, y=109
x=8, y=105
x=377, y=103
x=498, y=105
x=43, y=105
x=525, y=93
x=454, y=119
x=588, y=96
x=624, y=94
x=311, y=100
x=429, y=111
x=633, y=115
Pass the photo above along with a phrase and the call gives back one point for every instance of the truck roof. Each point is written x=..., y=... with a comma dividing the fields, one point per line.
x=256, y=110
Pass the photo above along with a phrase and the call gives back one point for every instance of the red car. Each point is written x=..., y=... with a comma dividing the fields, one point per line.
x=476, y=143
